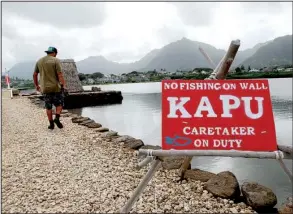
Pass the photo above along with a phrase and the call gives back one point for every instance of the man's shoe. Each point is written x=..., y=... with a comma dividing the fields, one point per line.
x=51, y=125
x=58, y=123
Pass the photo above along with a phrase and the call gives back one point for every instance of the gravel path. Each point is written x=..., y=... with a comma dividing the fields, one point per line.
x=71, y=170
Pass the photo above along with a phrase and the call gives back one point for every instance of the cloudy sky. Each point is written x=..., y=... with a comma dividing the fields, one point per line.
x=126, y=31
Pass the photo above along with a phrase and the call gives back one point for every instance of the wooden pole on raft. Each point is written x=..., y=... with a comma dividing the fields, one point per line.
x=220, y=72
x=207, y=57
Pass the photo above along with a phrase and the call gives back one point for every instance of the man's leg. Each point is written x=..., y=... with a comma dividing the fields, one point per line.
x=59, y=109
x=57, y=118
x=58, y=102
x=50, y=114
x=48, y=105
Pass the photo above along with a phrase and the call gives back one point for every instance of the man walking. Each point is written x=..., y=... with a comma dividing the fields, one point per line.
x=52, y=84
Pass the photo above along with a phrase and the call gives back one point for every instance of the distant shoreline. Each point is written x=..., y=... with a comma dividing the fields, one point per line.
x=258, y=75
x=229, y=77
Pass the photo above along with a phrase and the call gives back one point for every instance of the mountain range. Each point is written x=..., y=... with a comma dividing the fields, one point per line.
x=183, y=54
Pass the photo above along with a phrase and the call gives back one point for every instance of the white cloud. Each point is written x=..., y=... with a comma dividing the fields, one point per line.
x=126, y=31
x=196, y=14
x=232, y=20
x=58, y=14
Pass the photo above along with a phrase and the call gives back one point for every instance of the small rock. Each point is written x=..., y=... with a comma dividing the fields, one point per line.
x=258, y=196
x=225, y=201
x=233, y=210
x=286, y=207
x=123, y=138
x=172, y=162
x=224, y=185
x=129, y=142
x=86, y=122
x=102, y=129
x=74, y=116
x=167, y=207
x=199, y=175
x=96, y=88
x=79, y=120
x=134, y=144
x=93, y=125
x=114, y=137
x=186, y=208
x=66, y=115
x=64, y=111
x=242, y=205
x=109, y=134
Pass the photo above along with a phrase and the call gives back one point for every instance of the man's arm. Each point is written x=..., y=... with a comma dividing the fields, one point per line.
x=35, y=77
x=59, y=73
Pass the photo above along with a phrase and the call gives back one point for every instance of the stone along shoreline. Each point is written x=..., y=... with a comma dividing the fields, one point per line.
x=87, y=168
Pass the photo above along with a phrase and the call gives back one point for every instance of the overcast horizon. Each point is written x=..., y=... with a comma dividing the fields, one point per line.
x=127, y=31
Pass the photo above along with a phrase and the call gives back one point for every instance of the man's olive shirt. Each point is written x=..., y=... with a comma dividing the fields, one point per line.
x=49, y=67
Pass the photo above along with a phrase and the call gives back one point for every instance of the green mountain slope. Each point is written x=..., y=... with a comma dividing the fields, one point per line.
x=276, y=52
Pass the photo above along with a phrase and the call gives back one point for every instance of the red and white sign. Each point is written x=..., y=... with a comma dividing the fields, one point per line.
x=217, y=115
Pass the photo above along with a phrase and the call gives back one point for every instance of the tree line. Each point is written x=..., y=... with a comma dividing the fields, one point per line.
x=92, y=76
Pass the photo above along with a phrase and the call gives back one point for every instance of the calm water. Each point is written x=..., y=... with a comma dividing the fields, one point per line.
x=140, y=116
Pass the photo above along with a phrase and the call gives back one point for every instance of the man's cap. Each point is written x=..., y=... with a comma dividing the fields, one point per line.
x=51, y=50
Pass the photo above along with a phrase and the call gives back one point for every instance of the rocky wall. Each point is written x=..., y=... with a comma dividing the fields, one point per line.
x=70, y=74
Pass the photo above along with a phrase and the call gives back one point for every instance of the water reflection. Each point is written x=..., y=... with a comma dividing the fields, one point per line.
x=139, y=116
x=282, y=107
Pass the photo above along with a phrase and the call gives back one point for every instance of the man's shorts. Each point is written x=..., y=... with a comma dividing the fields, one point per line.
x=56, y=99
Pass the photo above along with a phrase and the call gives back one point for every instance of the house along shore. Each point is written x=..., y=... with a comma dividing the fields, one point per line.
x=75, y=170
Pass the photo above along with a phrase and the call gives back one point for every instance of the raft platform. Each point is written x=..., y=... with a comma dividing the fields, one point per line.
x=85, y=99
